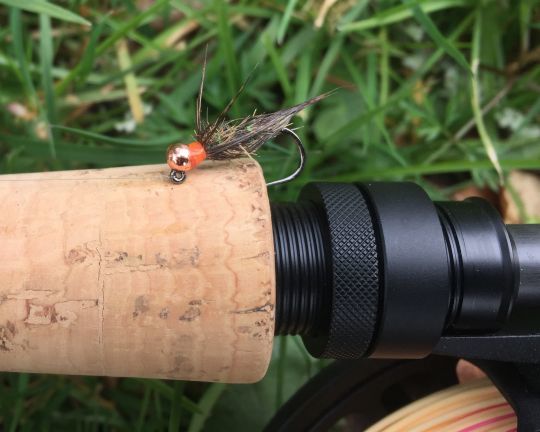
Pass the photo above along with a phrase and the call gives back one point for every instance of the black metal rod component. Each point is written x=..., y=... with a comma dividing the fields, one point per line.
x=484, y=264
x=301, y=259
x=526, y=240
x=379, y=270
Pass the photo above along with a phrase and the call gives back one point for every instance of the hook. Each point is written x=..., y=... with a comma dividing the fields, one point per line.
x=301, y=151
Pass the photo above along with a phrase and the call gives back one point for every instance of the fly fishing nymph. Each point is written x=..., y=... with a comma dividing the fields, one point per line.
x=225, y=139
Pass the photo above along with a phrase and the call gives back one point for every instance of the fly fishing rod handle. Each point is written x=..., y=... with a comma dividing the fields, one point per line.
x=119, y=272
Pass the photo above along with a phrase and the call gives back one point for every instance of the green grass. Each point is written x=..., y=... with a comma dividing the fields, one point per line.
x=426, y=86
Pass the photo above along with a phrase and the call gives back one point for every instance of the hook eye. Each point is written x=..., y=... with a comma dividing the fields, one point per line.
x=177, y=176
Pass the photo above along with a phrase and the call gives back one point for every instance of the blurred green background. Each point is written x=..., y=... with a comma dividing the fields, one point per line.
x=442, y=92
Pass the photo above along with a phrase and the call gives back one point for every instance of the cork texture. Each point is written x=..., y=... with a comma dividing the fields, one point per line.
x=119, y=272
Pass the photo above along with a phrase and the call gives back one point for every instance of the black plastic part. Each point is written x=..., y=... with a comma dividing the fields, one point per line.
x=416, y=284
x=354, y=272
x=483, y=268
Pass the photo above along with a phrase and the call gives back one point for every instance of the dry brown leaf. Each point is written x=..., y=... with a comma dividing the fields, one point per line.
x=527, y=188
x=474, y=191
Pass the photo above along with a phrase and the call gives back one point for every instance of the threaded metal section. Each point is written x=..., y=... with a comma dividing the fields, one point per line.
x=301, y=268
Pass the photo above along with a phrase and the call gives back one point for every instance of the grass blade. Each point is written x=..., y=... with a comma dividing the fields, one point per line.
x=176, y=408
x=161, y=388
x=279, y=67
x=130, y=81
x=227, y=50
x=403, y=91
x=159, y=141
x=143, y=409
x=84, y=153
x=131, y=24
x=111, y=40
x=476, y=97
x=22, y=385
x=431, y=29
x=384, y=66
x=400, y=13
x=280, y=381
x=282, y=29
x=206, y=404
x=525, y=15
x=15, y=23
x=326, y=64
x=46, y=54
x=454, y=166
x=43, y=7
x=87, y=60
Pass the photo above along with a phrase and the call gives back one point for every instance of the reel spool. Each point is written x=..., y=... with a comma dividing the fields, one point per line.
x=404, y=395
x=475, y=406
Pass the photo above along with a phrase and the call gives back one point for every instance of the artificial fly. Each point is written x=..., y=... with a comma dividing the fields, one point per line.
x=231, y=139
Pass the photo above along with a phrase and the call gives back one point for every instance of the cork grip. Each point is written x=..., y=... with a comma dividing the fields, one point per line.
x=119, y=272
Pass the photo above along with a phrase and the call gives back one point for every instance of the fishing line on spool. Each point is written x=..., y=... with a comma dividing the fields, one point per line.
x=472, y=407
